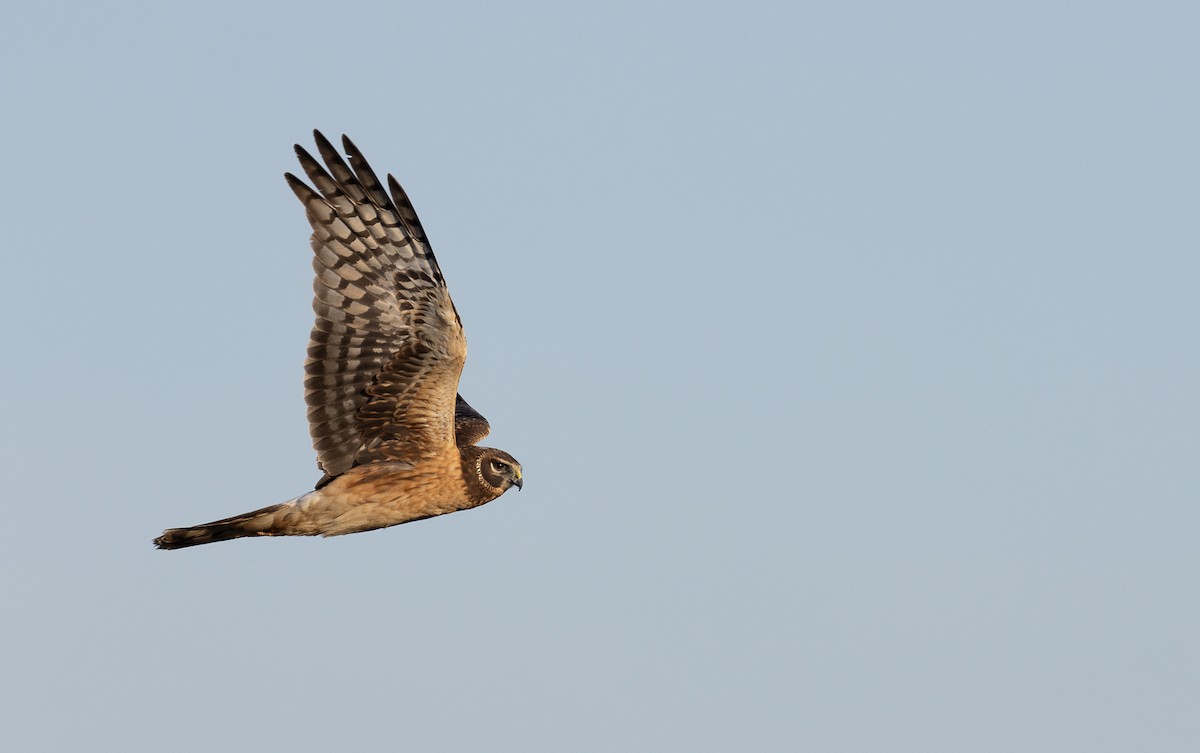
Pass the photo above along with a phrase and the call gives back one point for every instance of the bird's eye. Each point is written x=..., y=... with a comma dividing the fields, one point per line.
x=498, y=465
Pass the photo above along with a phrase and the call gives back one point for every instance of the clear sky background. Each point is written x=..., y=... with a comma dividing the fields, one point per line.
x=850, y=350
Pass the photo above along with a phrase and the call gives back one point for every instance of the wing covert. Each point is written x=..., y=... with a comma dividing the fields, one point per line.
x=469, y=425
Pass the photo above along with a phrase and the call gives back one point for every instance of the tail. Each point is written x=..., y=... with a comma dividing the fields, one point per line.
x=264, y=522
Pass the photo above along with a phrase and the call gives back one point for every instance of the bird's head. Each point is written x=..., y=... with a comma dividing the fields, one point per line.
x=499, y=470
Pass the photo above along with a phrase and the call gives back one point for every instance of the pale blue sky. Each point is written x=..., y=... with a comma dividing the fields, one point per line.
x=850, y=350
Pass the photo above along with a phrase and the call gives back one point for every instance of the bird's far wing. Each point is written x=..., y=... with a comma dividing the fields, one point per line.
x=387, y=348
x=469, y=425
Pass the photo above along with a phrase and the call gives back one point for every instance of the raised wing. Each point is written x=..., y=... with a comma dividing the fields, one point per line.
x=387, y=348
x=469, y=425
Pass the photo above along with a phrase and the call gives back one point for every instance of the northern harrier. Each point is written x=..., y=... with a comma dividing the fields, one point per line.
x=394, y=438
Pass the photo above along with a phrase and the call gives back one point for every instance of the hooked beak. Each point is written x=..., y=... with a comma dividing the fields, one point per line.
x=518, y=481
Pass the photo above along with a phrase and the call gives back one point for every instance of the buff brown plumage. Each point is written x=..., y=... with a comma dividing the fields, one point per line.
x=395, y=440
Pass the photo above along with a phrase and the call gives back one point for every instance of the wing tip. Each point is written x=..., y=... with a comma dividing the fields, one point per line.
x=303, y=191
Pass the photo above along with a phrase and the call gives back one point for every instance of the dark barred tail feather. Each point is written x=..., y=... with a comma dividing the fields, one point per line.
x=257, y=523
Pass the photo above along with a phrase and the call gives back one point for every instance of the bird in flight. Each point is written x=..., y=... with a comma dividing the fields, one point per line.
x=395, y=440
